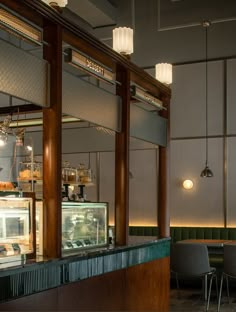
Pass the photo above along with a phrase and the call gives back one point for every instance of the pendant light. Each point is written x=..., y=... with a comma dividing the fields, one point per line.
x=206, y=172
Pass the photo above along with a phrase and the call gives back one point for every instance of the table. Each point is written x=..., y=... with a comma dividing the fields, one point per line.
x=217, y=243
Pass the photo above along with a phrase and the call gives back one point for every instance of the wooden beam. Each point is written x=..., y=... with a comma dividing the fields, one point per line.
x=163, y=185
x=52, y=145
x=122, y=161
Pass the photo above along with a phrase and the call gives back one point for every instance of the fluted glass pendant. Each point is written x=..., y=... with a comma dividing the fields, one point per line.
x=207, y=173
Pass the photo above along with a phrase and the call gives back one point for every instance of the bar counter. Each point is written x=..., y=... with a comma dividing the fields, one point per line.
x=41, y=275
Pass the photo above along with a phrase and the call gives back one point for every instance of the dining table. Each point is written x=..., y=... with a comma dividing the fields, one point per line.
x=214, y=246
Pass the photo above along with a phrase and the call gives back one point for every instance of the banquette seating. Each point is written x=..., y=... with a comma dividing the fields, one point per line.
x=179, y=233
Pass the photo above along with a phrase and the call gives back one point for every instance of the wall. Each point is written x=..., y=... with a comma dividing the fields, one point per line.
x=211, y=202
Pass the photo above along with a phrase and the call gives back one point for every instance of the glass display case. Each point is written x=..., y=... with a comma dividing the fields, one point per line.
x=84, y=225
x=17, y=224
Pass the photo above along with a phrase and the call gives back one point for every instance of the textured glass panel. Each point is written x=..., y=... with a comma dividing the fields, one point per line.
x=23, y=75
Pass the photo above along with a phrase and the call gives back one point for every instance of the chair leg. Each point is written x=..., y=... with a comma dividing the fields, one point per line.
x=209, y=293
x=227, y=286
x=177, y=280
x=205, y=287
x=220, y=292
x=217, y=292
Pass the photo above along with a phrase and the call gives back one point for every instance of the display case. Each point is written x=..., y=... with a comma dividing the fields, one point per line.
x=17, y=224
x=84, y=225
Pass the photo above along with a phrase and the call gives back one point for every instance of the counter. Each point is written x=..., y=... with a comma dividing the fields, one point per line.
x=31, y=277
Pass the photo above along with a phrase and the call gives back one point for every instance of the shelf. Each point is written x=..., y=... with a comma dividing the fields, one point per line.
x=29, y=180
x=78, y=183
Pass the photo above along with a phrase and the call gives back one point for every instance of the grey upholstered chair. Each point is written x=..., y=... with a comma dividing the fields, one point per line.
x=191, y=260
x=229, y=269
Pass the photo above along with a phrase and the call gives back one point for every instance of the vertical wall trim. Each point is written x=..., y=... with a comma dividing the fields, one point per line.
x=163, y=209
x=225, y=163
x=98, y=166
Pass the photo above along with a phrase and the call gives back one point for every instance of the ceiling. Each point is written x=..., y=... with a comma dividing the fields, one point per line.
x=164, y=30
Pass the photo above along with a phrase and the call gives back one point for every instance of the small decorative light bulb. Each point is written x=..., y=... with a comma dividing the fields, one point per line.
x=188, y=184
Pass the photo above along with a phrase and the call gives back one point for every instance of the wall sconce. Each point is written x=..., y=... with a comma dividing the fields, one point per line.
x=13, y=24
x=123, y=40
x=56, y=3
x=164, y=73
x=188, y=184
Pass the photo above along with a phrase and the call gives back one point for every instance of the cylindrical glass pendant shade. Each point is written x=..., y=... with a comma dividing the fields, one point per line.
x=123, y=40
x=60, y=3
x=164, y=73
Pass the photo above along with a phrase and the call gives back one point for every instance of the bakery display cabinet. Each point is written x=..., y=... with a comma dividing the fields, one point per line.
x=84, y=226
x=17, y=225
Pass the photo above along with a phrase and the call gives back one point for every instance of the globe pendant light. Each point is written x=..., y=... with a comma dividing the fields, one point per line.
x=206, y=172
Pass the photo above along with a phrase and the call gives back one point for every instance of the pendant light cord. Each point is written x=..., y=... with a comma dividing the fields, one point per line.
x=206, y=24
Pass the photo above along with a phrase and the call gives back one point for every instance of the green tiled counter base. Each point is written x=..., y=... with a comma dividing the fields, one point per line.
x=32, y=278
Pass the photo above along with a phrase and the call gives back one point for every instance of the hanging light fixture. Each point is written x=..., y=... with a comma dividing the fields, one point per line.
x=56, y=3
x=164, y=73
x=206, y=172
x=123, y=40
x=20, y=134
x=4, y=128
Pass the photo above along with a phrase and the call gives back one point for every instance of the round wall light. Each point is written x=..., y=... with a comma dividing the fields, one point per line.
x=188, y=184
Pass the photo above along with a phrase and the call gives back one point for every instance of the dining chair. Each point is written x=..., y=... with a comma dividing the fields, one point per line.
x=229, y=269
x=191, y=260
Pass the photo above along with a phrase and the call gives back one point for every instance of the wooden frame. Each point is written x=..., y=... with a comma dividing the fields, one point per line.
x=56, y=30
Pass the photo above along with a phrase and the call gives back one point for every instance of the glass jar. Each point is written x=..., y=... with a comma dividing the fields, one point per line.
x=84, y=174
x=30, y=170
x=69, y=174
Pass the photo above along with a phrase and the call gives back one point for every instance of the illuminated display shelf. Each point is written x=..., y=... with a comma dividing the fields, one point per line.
x=84, y=225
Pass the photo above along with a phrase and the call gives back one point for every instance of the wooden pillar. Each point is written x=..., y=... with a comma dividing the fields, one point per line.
x=122, y=161
x=163, y=192
x=52, y=145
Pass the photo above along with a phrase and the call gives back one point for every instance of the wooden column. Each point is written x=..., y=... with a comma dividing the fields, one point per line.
x=52, y=145
x=163, y=192
x=122, y=161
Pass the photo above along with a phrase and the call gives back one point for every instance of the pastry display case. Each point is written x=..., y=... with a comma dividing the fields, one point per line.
x=84, y=225
x=17, y=220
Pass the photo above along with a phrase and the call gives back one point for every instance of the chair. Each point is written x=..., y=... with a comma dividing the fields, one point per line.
x=229, y=269
x=191, y=260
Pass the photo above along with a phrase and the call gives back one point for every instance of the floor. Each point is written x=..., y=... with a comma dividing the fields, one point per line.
x=191, y=300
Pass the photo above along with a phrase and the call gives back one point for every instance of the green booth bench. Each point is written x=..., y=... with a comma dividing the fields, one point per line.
x=179, y=233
